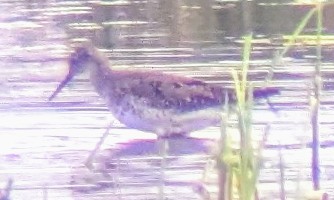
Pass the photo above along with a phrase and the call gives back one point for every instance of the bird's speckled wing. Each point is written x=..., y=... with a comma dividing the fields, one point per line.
x=169, y=91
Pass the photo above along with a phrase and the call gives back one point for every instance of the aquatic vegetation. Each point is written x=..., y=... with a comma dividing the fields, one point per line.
x=241, y=166
x=315, y=90
x=317, y=82
x=315, y=103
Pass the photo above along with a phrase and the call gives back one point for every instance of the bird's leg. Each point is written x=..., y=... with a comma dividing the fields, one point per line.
x=163, y=149
x=5, y=193
x=91, y=156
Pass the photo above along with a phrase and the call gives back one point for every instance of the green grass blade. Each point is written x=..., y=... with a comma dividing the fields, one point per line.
x=298, y=30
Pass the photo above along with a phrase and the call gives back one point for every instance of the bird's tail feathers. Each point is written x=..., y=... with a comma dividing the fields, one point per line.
x=265, y=92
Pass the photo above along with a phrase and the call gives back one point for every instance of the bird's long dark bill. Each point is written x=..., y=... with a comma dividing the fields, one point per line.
x=67, y=79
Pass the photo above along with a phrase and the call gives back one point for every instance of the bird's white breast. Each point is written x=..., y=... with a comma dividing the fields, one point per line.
x=135, y=113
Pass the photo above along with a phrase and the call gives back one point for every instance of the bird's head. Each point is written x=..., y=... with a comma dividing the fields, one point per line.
x=77, y=63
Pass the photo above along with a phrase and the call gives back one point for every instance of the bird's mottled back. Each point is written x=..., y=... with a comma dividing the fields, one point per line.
x=150, y=100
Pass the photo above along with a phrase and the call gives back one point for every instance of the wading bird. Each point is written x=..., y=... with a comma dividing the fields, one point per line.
x=164, y=104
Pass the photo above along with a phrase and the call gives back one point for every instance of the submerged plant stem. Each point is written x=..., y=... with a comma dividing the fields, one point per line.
x=315, y=104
